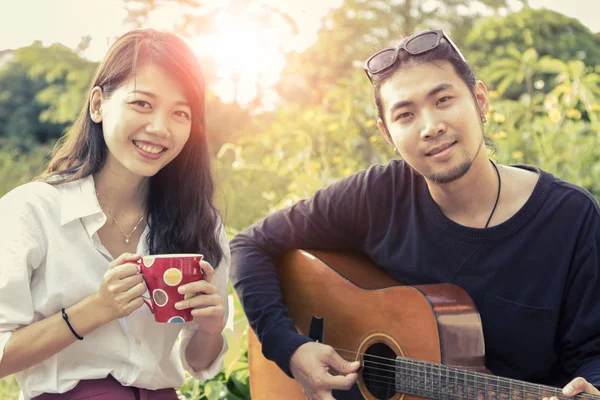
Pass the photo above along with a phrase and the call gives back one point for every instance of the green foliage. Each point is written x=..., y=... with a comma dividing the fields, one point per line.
x=17, y=167
x=302, y=149
x=358, y=29
x=550, y=33
x=519, y=68
x=551, y=135
x=42, y=90
x=231, y=384
x=9, y=389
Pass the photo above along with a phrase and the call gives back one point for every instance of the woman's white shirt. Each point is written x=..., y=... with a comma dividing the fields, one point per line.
x=51, y=257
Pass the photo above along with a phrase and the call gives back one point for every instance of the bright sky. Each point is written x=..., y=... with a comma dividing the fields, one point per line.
x=66, y=21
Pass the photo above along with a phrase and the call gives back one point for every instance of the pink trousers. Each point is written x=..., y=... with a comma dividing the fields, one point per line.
x=109, y=389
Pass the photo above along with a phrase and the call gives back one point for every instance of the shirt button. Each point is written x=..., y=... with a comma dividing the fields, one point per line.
x=138, y=341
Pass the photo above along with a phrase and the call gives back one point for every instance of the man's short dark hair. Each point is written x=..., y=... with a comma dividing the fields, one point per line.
x=443, y=52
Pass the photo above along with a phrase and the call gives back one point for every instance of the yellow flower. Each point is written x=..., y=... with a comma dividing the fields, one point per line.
x=554, y=115
x=595, y=107
x=373, y=139
x=347, y=171
x=500, y=135
x=550, y=101
x=498, y=118
x=517, y=154
x=492, y=94
x=369, y=123
x=333, y=127
x=336, y=159
x=268, y=195
x=574, y=114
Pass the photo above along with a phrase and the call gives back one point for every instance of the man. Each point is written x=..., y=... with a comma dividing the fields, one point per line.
x=522, y=243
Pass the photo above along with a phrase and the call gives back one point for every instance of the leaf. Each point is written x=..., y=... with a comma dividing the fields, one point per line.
x=240, y=383
x=214, y=390
x=504, y=84
x=530, y=56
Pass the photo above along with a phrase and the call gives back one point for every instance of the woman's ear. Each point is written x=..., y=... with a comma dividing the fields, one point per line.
x=96, y=104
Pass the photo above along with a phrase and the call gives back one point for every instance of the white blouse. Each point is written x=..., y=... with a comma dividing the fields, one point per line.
x=51, y=257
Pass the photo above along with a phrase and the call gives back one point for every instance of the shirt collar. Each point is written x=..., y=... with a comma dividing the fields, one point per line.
x=78, y=200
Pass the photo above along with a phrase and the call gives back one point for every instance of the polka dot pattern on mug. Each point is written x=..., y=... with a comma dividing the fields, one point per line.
x=172, y=277
x=148, y=261
x=176, y=320
x=161, y=298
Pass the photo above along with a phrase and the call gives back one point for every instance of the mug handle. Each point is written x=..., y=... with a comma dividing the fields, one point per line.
x=148, y=302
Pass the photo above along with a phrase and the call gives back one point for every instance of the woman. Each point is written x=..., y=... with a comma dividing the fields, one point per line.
x=131, y=178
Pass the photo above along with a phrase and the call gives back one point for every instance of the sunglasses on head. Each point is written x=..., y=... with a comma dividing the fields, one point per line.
x=417, y=44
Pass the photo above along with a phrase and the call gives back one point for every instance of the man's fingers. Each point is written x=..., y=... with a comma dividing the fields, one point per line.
x=322, y=395
x=340, y=382
x=579, y=385
x=341, y=365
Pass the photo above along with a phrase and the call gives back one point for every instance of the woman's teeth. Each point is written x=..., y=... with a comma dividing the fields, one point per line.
x=148, y=148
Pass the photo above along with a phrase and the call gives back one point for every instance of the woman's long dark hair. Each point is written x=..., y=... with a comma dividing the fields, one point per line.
x=181, y=214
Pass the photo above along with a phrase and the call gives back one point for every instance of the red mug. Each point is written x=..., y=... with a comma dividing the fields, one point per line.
x=163, y=275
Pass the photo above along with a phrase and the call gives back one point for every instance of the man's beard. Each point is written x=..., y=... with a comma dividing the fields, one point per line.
x=449, y=176
x=460, y=170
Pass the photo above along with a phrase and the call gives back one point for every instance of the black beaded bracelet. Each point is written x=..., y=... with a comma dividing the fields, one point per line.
x=66, y=318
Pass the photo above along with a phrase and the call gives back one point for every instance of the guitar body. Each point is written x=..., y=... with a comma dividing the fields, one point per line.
x=365, y=311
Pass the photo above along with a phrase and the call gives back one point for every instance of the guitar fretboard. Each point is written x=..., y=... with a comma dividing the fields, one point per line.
x=437, y=381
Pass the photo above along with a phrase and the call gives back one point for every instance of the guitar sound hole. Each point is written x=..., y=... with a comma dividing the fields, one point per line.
x=378, y=371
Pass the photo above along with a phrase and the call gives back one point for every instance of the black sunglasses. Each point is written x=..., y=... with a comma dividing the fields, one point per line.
x=415, y=45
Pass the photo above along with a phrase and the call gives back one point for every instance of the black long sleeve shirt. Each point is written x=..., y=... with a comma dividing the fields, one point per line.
x=535, y=278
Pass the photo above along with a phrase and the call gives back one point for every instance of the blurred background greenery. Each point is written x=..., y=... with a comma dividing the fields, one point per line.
x=319, y=124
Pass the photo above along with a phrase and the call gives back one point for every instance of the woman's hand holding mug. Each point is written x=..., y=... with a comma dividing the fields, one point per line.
x=122, y=288
x=203, y=297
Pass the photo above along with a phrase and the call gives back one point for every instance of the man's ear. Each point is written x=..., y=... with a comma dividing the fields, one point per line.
x=96, y=99
x=386, y=134
x=481, y=96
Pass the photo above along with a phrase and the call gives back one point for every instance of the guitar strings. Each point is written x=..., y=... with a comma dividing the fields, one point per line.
x=448, y=380
x=512, y=385
x=498, y=389
x=390, y=385
x=500, y=382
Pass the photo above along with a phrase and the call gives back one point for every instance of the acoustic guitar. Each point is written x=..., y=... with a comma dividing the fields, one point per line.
x=412, y=341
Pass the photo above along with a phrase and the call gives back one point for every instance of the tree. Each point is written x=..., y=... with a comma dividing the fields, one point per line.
x=579, y=87
x=301, y=149
x=42, y=90
x=548, y=32
x=348, y=35
x=359, y=28
x=518, y=69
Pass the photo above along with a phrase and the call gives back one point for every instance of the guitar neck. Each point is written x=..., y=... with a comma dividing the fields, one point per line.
x=437, y=381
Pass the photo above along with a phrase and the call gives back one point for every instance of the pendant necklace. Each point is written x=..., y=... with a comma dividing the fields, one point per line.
x=116, y=223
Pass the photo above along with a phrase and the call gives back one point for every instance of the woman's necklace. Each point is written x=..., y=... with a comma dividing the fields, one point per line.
x=497, y=196
x=117, y=223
